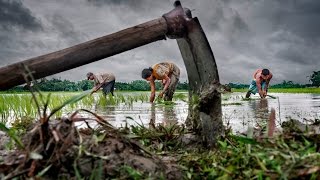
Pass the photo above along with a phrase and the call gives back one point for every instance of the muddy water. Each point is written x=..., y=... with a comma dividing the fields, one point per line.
x=237, y=113
x=255, y=112
x=143, y=113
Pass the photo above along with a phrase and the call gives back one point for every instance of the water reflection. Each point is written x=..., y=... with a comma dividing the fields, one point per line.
x=260, y=109
x=152, y=116
x=238, y=113
x=315, y=100
x=167, y=115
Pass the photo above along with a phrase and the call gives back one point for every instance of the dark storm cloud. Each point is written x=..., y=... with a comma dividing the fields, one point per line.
x=282, y=35
x=66, y=30
x=15, y=19
x=131, y=3
x=23, y=35
x=299, y=17
x=14, y=14
x=116, y=2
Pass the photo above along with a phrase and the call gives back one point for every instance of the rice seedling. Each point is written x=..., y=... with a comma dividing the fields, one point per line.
x=12, y=134
x=130, y=100
x=130, y=173
x=22, y=124
x=87, y=101
x=159, y=137
x=180, y=96
x=143, y=98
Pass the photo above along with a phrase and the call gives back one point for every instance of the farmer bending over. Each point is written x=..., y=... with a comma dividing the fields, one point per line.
x=168, y=73
x=260, y=83
x=105, y=81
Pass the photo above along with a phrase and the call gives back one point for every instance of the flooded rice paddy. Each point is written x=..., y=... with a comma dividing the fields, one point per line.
x=133, y=108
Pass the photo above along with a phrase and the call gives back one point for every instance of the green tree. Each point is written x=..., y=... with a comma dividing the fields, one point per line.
x=315, y=78
x=140, y=85
x=85, y=85
x=288, y=84
x=183, y=86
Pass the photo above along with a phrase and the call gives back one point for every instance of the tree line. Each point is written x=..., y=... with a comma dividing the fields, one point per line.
x=142, y=85
x=83, y=85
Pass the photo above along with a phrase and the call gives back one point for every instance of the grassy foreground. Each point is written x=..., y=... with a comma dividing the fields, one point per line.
x=288, y=156
x=293, y=155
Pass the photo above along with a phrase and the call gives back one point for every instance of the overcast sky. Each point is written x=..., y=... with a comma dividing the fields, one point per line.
x=282, y=35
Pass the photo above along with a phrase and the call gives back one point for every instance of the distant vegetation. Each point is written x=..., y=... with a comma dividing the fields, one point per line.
x=142, y=85
x=284, y=84
x=83, y=85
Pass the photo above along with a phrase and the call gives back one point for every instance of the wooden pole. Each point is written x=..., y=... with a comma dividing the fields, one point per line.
x=84, y=53
x=171, y=24
x=176, y=24
x=206, y=116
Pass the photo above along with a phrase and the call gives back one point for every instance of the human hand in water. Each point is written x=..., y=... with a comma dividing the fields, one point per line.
x=261, y=93
x=160, y=94
x=163, y=82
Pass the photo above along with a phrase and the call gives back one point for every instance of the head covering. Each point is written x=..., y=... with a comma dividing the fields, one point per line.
x=89, y=74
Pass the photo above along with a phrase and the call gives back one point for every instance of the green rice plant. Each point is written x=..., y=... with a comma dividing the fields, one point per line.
x=4, y=109
x=87, y=101
x=111, y=99
x=97, y=173
x=12, y=134
x=162, y=103
x=25, y=107
x=22, y=124
x=181, y=96
x=194, y=101
x=106, y=100
x=143, y=97
x=130, y=173
x=159, y=137
x=135, y=98
x=72, y=100
x=129, y=100
x=44, y=171
x=116, y=97
x=29, y=109
x=121, y=97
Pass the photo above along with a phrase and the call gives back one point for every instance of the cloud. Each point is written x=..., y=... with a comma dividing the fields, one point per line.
x=14, y=14
x=244, y=35
x=65, y=30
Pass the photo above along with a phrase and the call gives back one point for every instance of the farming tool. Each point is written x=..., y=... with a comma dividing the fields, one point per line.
x=273, y=97
x=177, y=24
